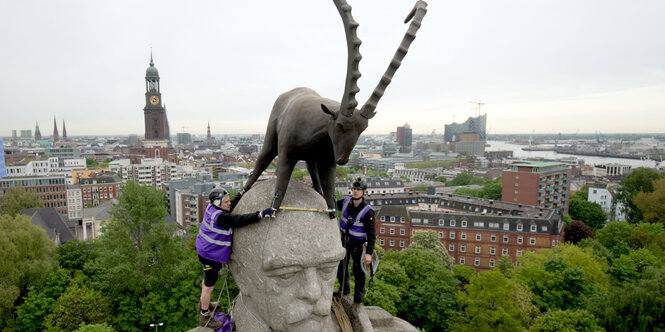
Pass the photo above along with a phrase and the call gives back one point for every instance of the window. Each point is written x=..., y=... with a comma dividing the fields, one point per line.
x=505, y=239
x=392, y=243
x=392, y=231
x=544, y=228
x=519, y=252
x=491, y=262
x=402, y=231
x=532, y=240
x=476, y=261
x=493, y=225
x=462, y=247
x=506, y=226
x=452, y=222
x=415, y=220
x=401, y=219
x=392, y=219
x=520, y=240
x=463, y=223
x=477, y=251
x=382, y=230
x=382, y=242
x=401, y=243
x=451, y=247
x=493, y=238
x=519, y=227
x=426, y=221
x=463, y=235
x=492, y=250
x=461, y=260
x=504, y=251
x=440, y=234
x=440, y=222
x=479, y=236
x=553, y=243
x=413, y=232
x=451, y=235
x=533, y=228
x=478, y=224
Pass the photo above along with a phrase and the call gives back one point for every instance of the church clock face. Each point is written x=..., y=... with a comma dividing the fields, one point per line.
x=154, y=100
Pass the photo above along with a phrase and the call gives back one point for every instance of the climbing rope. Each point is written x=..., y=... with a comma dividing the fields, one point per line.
x=306, y=209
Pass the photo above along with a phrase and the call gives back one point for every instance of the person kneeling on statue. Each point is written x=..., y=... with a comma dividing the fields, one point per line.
x=357, y=228
x=213, y=244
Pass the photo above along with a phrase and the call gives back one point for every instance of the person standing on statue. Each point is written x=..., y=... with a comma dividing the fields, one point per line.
x=357, y=228
x=213, y=244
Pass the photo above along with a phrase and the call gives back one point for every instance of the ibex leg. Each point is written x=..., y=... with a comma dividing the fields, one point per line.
x=327, y=176
x=285, y=168
x=314, y=173
x=268, y=153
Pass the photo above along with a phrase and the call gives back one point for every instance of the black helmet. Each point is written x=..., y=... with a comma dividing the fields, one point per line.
x=359, y=183
x=217, y=194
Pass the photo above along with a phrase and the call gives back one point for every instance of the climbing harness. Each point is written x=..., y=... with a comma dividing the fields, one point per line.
x=305, y=209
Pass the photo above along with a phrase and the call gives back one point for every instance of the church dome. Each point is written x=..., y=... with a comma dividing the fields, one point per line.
x=151, y=71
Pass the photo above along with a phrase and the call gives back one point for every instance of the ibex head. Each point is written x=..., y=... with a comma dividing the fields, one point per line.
x=344, y=130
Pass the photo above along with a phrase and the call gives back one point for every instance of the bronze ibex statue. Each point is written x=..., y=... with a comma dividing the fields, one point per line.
x=321, y=131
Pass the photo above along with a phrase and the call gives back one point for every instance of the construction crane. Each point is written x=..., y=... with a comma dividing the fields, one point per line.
x=479, y=103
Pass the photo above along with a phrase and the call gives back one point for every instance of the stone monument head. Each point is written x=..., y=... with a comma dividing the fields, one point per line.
x=285, y=267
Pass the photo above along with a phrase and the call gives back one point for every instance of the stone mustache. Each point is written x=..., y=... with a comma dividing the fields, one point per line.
x=323, y=132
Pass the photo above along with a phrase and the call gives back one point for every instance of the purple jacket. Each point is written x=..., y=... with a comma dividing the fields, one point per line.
x=213, y=242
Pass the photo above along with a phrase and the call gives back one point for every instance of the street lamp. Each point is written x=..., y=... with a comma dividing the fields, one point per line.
x=156, y=325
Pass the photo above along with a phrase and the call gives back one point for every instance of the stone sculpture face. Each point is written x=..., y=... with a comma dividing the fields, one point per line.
x=285, y=267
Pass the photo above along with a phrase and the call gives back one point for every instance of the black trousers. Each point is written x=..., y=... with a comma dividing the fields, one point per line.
x=356, y=253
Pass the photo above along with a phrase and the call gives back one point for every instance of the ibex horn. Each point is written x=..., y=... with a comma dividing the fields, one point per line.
x=349, y=103
x=417, y=14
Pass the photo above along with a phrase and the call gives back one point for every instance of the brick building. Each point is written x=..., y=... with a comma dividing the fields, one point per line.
x=51, y=189
x=539, y=183
x=476, y=232
x=95, y=191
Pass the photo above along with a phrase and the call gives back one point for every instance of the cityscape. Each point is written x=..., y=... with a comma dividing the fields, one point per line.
x=514, y=169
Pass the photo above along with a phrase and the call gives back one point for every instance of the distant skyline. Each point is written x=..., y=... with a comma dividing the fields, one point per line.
x=538, y=66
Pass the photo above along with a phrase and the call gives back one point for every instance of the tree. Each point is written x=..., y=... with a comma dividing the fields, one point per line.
x=73, y=255
x=79, y=305
x=95, y=328
x=463, y=179
x=630, y=267
x=562, y=277
x=639, y=180
x=27, y=259
x=429, y=240
x=430, y=287
x=566, y=321
x=341, y=173
x=489, y=304
x=138, y=251
x=18, y=199
x=589, y=212
x=90, y=162
x=576, y=231
x=652, y=204
x=633, y=307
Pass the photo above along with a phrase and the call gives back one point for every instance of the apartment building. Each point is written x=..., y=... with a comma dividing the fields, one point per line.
x=538, y=183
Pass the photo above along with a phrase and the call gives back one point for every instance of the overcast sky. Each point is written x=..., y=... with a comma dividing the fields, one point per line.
x=539, y=66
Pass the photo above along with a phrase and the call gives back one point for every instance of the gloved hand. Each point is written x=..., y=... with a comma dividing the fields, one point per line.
x=269, y=212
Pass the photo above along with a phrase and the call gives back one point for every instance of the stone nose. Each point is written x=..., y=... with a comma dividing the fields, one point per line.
x=310, y=289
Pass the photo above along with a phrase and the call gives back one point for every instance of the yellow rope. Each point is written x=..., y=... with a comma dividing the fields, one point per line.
x=305, y=209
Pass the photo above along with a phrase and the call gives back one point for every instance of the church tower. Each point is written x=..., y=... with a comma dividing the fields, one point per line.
x=64, y=131
x=208, y=137
x=55, y=130
x=156, y=125
x=38, y=134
